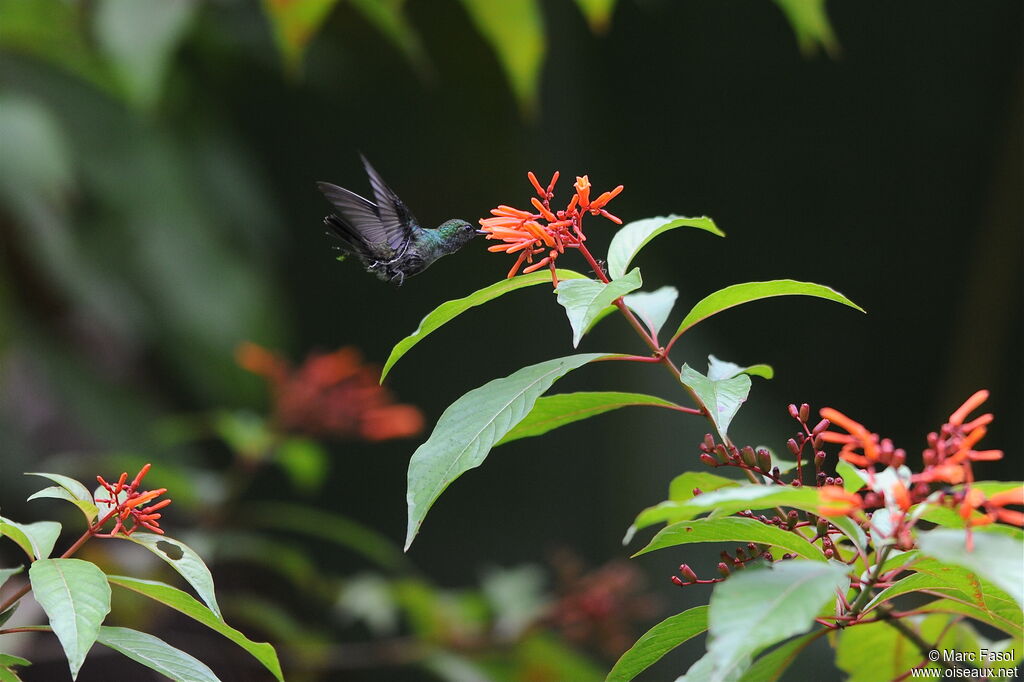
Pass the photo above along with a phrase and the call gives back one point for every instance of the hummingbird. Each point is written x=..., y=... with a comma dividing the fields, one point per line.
x=384, y=235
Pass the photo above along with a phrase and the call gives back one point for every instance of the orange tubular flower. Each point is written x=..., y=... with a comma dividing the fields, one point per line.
x=126, y=504
x=836, y=501
x=548, y=232
x=857, y=437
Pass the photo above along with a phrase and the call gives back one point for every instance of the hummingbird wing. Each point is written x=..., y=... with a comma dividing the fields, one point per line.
x=359, y=223
x=397, y=219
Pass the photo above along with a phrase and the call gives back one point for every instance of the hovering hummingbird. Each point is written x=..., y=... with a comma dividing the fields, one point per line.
x=385, y=235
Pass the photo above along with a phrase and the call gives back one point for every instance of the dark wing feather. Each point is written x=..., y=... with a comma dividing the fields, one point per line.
x=359, y=214
x=397, y=219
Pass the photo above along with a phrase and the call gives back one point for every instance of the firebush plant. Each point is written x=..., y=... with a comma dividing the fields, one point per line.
x=76, y=594
x=886, y=562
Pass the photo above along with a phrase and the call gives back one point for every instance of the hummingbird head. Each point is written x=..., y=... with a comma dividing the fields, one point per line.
x=456, y=233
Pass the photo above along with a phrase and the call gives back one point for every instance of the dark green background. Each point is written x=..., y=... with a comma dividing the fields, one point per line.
x=891, y=172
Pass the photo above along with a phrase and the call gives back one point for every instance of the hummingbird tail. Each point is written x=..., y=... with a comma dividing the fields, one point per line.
x=349, y=238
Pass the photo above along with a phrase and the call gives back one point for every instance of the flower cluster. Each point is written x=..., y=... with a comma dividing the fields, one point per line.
x=126, y=502
x=331, y=394
x=947, y=461
x=545, y=232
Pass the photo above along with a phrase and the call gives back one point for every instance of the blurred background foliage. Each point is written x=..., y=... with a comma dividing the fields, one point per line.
x=157, y=210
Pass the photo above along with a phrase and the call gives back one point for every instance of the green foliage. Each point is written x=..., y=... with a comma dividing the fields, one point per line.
x=654, y=307
x=731, y=529
x=658, y=641
x=35, y=539
x=754, y=291
x=759, y=607
x=189, y=606
x=451, y=309
x=628, y=241
x=470, y=427
x=722, y=391
x=993, y=557
x=182, y=559
x=553, y=411
x=584, y=300
x=76, y=598
x=156, y=654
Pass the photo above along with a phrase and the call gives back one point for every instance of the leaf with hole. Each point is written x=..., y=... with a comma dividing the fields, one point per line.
x=182, y=559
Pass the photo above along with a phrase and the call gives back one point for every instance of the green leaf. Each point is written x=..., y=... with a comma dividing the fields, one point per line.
x=737, y=294
x=769, y=668
x=515, y=29
x=731, y=529
x=956, y=604
x=6, y=614
x=995, y=557
x=875, y=651
x=471, y=426
x=652, y=307
x=585, y=299
x=759, y=606
x=76, y=598
x=139, y=38
x=156, y=654
x=451, y=309
x=7, y=664
x=188, y=605
x=598, y=13
x=294, y=24
x=58, y=493
x=658, y=641
x=35, y=539
x=182, y=559
x=553, y=411
x=75, y=488
x=681, y=487
x=809, y=21
x=633, y=236
x=6, y=573
x=723, y=369
x=852, y=480
x=721, y=398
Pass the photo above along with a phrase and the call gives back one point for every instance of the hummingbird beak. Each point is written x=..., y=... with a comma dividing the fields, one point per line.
x=481, y=232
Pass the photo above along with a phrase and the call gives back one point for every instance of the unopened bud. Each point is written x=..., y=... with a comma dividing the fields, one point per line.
x=829, y=553
x=822, y=528
x=829, y=480
x=839, y=480
x=819, y=459
x=768, y=556
x=793, y=411
x=775, y=472
x=805, y=412
x=740, y=554
x=899, y=458
x=724, y=556
x=709, y=442
x=792, y=518
x=818, y=442
x=797, y=483
x=697, y=491
x=723, y=570
x=721, y=453
x=688, y=573
x=764, y=460
x=821, y=426
x=677, y=581
x=788, y=556
x=709, y=460
x=749, y=457
x=793, y=447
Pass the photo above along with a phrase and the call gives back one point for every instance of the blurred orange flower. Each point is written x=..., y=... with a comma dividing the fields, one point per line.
x=331, y=394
